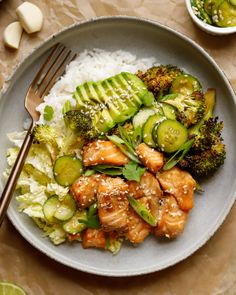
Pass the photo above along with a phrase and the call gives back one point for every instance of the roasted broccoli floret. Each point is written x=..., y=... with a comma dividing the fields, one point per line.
x=158, y=79
x=81, y=122
x=209, y=134
x=205, y=162
x=189, y=108
x=208, y=152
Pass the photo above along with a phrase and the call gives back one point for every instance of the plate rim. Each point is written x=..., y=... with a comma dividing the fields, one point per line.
x=218, y=222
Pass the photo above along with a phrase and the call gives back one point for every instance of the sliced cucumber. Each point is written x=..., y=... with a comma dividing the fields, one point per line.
x=55, y=210
x=233, y=2
x=185, y=84
x=73, y=226
x=225, y=14
x=148, y=127
x=65, y=208
x=170, y=135
x=66, y=170
x=50, y=208
x=169, y=111
x=141, y=117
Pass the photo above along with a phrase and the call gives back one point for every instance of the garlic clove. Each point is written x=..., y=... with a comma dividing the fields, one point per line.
x=30, y=17
x=12, y=35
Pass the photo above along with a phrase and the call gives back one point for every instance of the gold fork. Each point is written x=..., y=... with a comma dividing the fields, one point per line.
x=50, y=71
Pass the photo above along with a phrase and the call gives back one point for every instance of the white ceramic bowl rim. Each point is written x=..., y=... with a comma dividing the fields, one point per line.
x=206, y=27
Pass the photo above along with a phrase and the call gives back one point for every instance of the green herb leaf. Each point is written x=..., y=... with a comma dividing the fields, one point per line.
x=93, y=209
x=92, y=222
x=48, y=113
x=132, y=171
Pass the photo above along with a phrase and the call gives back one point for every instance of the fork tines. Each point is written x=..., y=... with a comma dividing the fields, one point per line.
x=52, y=69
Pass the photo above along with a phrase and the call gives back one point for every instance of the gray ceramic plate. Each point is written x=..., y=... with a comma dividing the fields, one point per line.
x=145, y=39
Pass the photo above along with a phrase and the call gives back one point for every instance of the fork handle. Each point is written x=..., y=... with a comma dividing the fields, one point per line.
x=15, y=173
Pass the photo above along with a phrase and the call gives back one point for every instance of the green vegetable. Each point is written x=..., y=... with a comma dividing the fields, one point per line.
x=159, y=79
x=89, y=172
x=137, y=136
x=185, y=84
x=73, y=226
x=108, y=169
x=67, y=107
x=66, y=170
x=132, y=171
x=45, y=134
x=148, y=128
x=48, y=113
x=92, y=220
x=81, y=123
x=142, y=211
x=170, y=135
x=207, y=153
x=130, y=153
x=179, y=155
x=189, y=108
x=55, y=209
x=199, y=10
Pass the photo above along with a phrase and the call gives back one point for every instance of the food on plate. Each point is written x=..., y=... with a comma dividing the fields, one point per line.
x=118, y=153
x=12, y=35
x=30, y=17
x=220, y=13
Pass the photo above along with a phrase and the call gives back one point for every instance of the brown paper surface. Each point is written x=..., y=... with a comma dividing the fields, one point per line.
x=212, y=269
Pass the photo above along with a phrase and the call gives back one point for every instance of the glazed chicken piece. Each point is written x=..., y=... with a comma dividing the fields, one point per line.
x=94, y=238
x=151, y=158
x=148, y=186
x=103, y=152
x=85, y=189
x=171, y=219
x=113, y=204
x=180, y=184
x=138, y=229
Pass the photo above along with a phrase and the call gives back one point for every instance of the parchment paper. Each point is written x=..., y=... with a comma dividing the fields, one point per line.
x=212, y=269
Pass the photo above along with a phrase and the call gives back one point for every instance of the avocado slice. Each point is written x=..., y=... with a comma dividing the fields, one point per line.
x=103, y=121
x=92, y=94
x=147, y=98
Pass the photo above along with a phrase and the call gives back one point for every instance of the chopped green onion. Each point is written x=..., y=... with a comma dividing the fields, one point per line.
x=48, y=113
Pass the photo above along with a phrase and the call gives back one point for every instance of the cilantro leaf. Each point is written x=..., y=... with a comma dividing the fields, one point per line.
x=132, y=171
x=48, y=113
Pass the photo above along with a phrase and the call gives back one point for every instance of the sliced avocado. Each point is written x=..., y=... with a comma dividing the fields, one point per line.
x=92, y=94
x=101, y=92
x=103, y=121
x=147, y=98
x=84, y=94
x=78, y=97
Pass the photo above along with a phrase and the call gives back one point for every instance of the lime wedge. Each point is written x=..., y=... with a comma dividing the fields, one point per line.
x=10, y=289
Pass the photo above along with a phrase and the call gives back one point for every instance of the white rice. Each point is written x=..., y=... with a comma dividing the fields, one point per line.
x=91, y=65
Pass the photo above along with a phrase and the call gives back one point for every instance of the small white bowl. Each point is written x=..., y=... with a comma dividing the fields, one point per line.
x=210, y=29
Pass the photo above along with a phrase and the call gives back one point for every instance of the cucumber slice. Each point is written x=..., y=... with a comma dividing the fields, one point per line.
x=232, y=2
x=66, y=170
x=225, y=15
x=50, y=207
x=65, y=208
x=141, y=117
x=185, y=84
x=148, y=127
x=169, y=111
x=73, y=226
x=170, y=135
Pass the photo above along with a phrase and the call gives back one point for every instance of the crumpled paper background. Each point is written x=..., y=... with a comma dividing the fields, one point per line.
x=212, y=269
